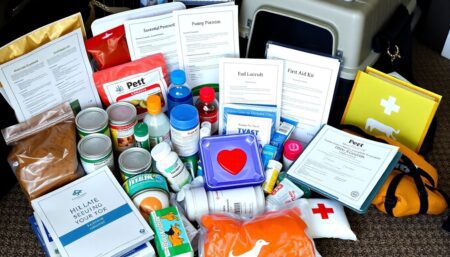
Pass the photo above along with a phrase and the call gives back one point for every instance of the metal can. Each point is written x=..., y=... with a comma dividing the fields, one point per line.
x=134, y=161
x=92, y=120
x=95, y=152
x=122, y=118
x=149, y=192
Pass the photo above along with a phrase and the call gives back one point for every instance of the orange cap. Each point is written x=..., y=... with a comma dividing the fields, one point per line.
x=154, y=104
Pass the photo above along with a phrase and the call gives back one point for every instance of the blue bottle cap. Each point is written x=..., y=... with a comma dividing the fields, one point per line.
x=184, y=117
x=178, y=77
x=180, y=94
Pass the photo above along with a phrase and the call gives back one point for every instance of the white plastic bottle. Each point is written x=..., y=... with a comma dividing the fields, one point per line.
x=170, y=166
x=157, y=122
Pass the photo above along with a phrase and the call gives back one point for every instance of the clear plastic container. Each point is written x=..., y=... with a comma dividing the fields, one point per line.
x=157, y=122
x=208, y=108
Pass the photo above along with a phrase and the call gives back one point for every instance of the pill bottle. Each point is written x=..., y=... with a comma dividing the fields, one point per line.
x=208, y=108
x=292, y=150
x=184, y=129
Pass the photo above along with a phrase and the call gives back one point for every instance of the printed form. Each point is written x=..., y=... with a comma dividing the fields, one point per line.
x=153, y=35
x=49, y=75
x=205, y=35
x=308, y=89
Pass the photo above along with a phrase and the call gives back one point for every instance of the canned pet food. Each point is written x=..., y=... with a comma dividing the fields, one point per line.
x=134, y=161
x=92, y=120
x=122, y=118
x=95, y=152
x=148, y=191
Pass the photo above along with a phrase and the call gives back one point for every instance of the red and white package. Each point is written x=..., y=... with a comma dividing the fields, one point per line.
x=133, y=82
x=109, y=48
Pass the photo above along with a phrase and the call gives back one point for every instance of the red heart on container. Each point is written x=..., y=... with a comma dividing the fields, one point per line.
x=232, y=161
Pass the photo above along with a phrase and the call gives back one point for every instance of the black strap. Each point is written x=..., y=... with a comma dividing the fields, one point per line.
x=390, y=201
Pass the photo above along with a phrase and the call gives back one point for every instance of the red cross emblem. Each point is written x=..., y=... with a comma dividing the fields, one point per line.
x=322, y=210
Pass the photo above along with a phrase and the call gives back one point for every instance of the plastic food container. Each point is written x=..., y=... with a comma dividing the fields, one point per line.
x=231, y=161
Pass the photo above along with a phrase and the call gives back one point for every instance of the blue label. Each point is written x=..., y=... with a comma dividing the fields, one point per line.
x=92, y=226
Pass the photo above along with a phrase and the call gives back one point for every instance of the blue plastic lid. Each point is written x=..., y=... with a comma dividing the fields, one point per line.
x=178, y=77
x=184, y=117
x=180, y=94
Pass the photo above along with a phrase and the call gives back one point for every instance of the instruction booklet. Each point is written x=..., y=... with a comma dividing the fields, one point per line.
x=345, y=167
x=96, y=209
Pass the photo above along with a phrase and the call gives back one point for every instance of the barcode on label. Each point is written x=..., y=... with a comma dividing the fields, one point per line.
x=237, y=208
x=285, y=128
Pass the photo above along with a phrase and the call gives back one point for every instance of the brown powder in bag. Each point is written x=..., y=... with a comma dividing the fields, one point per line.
x=44, y=156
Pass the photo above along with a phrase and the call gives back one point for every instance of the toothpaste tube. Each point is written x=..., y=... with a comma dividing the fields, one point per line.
x=284, y=193
x=269, y=152
x=281, y=135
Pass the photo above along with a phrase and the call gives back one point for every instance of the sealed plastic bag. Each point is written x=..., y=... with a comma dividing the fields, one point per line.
x=274, y=234
x=109, y=48
x=44, y=154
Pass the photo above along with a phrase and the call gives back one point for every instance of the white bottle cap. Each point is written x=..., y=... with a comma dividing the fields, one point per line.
x=160, y=151
x=206, y=124
x=205, y=132
x=196, y=203
x=274, y=165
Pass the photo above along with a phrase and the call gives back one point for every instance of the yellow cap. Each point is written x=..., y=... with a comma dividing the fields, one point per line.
x=154, y=104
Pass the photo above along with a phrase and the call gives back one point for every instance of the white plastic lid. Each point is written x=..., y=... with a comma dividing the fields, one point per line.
x=275, y=165
x=205, y=132
x=196, y=203
x=161, y=151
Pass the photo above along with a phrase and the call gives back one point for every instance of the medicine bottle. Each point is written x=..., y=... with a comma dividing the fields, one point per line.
x=179, y=91
x=184, y=130
x=292, y=150
x=157, y=121
x=208, y=108
x=141, y=136
x=170, y=166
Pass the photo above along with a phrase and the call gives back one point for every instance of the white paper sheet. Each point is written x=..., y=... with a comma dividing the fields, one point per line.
x=49, y=75
x=250, y=81
x=153, y=35
x=205, y=35
x=308, y=88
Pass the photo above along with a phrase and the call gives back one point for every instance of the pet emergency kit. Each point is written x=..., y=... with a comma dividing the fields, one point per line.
x=170, y=166
x=231, y=161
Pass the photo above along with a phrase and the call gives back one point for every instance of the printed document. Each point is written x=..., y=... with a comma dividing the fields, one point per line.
x=205, y=35
x=153, y=35
x=54, y=73
x=345, y=167
x=308, y=88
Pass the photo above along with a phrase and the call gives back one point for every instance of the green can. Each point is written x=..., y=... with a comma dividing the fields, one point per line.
x=149, y=192
x=134, y=161
x=92, y=120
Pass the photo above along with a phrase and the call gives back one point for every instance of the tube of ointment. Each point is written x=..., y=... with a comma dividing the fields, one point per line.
x=284, y=193
x=269, y=152
x=281, y=135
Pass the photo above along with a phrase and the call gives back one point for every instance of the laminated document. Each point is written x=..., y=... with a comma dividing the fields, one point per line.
x=96, y=209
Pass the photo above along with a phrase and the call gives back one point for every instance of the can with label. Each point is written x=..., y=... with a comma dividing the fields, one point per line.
x=134, y=161
x=92, y=120
x=122, y=118
x=149, y=192
x=95, y=152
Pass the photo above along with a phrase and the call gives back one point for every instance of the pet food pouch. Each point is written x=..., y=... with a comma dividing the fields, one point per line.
x=133, y=82
x=109, y=48
x=44, y=152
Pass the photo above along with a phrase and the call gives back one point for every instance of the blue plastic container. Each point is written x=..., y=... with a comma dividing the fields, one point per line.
x=179, y=92
x=184, y=129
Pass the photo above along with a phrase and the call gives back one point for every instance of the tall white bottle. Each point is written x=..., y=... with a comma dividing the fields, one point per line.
x=157, y=122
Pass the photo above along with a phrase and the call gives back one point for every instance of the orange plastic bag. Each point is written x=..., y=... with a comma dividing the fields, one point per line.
x=274, y=234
